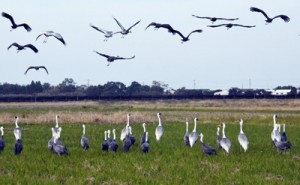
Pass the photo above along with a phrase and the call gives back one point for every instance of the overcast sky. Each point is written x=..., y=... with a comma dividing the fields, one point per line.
x=217, y=58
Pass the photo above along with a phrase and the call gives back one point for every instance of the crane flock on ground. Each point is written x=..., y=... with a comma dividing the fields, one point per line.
x=125, y=31
x=110, y=144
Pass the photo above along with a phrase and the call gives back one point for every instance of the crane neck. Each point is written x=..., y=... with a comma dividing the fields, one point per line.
x=16, y=122
x=128, y=120
x=241, y=128
x=105, y=137
x=56, y=122
x=2, y=132
x=114, y=133
x=201, y=138
x=159, y=120
x=283, y=130
x=224, y=136
x=144, y=126
x=218, y=131
x=146, y=139
x=195, y=126
x=187, y=126
x=83, y=131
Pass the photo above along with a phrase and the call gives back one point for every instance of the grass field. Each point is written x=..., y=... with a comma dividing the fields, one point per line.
x=169, y=162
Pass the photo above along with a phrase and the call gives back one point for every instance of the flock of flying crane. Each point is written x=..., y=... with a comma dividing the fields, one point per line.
x=124, y=31
x=55, y=145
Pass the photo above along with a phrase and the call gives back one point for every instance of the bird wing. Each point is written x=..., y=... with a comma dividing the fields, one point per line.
x=178, y=32
x=119, y=24
x=214, y=26
x=6, y=15
x=59, y=37
x=133, y=25
x=32, y=47
x=39, y=36
x=96, y=28
x=43, y=67
x=253, y=9
x=104, y=55
x=201, y=17
x=283, y=17
x=26, y=26
x=122, y=58
x=30, y=67
x=152, y=24
x=242, y=25
x=226, y=19
x=195, y=31
x=13, y=44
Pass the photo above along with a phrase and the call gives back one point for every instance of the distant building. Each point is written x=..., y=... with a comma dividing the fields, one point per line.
x=279, y=92
x=224, y=92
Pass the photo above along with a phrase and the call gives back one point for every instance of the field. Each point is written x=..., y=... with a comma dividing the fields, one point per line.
x=169, y=162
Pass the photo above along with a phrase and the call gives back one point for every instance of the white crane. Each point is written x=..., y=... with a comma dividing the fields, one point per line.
x=124, y=130
x=275, y=135
x=85, y=144
x=2, y=140
x=242, y=138
x=186, y=135
x=17, y=130
x=193, y=136
x=159, y=131
x=52, y=34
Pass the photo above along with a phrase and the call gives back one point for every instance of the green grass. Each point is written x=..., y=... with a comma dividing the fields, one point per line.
x=169, y=162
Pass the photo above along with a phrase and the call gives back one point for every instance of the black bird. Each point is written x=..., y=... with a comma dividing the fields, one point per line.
x=14, y=25
x=53, y=34
x=228, y=26
x=183, y=38
x=113, y=145
x=145, y=147
x=112, y=58
x=36, y=68
x=105, y=143
x=18, y=147
x=2, y=140
x=131, y=136
x=59, y=149
x=23, y=47
x=207, y=149
x=125, y=31
x=270, y=20
x=214, y=19
x=165, y=26
x=282, y=146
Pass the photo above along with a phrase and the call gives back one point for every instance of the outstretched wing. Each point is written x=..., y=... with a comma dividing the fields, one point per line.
x=59, y=37
x=39, y=36
x=96, y=28
x=133, y=25
x=195, y=31
x=119, y=24
x=253, y=9
x=226, y=19
x=122, y=58
x=240, y=25
x=152, y=24
x=283, y=17
x=178, y=32
x=214, y=26
x=26, y=26
x=32, y=47
x=201, y=17
x=30, y=67
x=43, y=67
x=104, y=55
x=6, y=15
x=13, y=44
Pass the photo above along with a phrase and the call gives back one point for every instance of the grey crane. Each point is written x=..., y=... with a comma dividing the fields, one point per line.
x=186, y=38
x=283, y=135
x=131, y=136
x=23, y=47
x=17, y=130
x=85, y=144
x=143, y=138
x=14, y=25
x=124, y=130
x=268, y=20
x=242, y=138
x=127, y=142
x=107, y=34
x=124, y=30
x=18, y=147
x=113, y=58
x=36, y=68
x=113, y=146
x=2, y=139
x=225, y=142
x=214, y=19
x=145, y=147
x=208, y=150
x=164, y=26
x=186, y=135
x=193, y=136
x=228, y=26
x=105, y=143
x=51, y=34
x=159, y=131
x=283, y=146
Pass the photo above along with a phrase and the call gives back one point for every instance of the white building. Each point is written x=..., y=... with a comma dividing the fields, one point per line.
x=224, y=92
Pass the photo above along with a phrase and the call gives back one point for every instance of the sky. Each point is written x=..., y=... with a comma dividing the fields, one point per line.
x=262, y=57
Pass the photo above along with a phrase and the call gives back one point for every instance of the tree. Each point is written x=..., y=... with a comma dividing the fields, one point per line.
x=68, y=85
